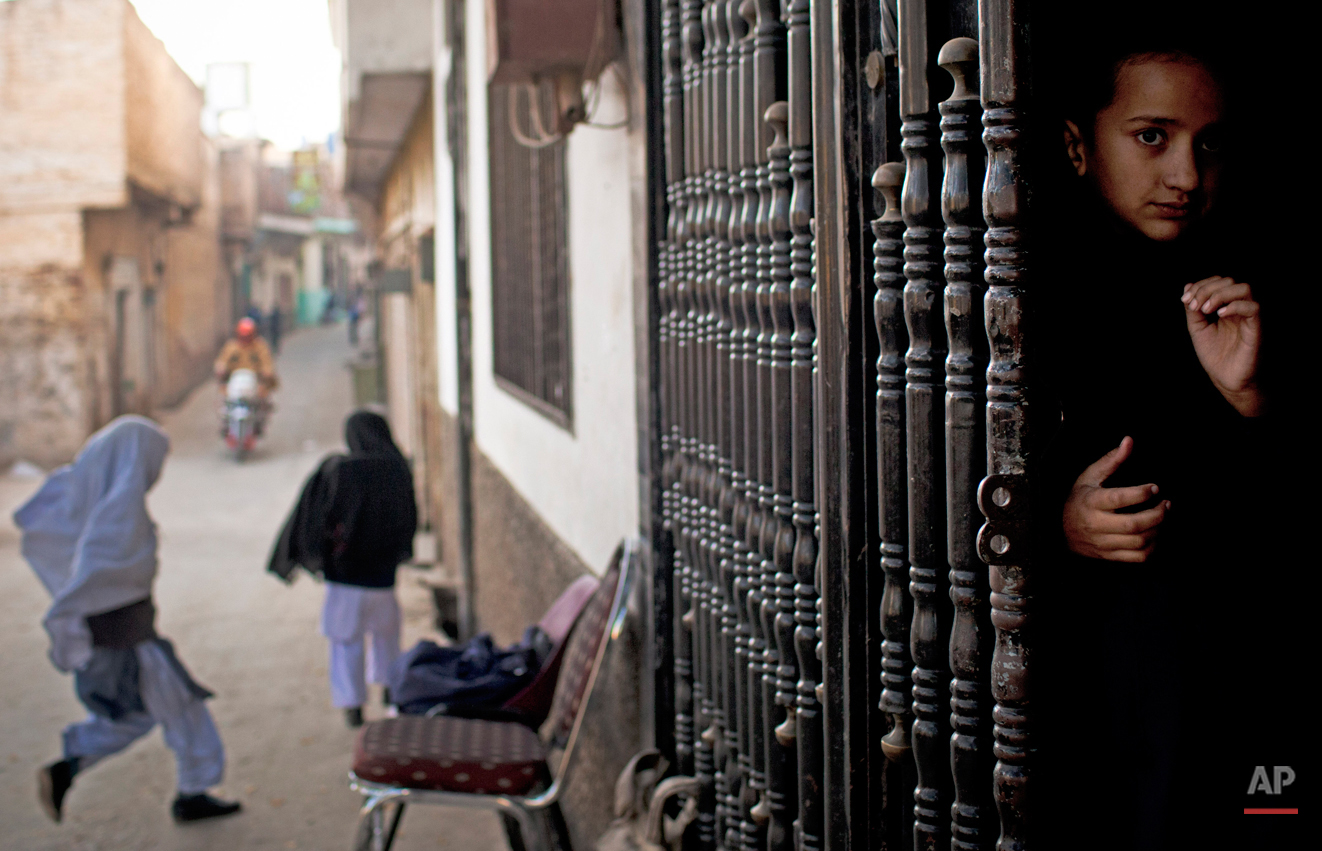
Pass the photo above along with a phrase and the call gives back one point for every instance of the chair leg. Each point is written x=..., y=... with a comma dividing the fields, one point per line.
x=394, y=825
x=373, y=834
x=513, y=834
x=524, y=831
x=558, y=829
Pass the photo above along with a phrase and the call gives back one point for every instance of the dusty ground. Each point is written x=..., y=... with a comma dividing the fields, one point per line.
x=241, y=632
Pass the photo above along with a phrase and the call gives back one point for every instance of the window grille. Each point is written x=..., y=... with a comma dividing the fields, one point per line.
x=530, y=261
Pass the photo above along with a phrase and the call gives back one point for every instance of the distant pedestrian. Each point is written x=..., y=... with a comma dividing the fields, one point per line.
x=273, y=326
x=355, y=314
x=88, y=537
x=353, y=525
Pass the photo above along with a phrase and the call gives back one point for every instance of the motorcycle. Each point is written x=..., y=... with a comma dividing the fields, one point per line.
x=244, y=413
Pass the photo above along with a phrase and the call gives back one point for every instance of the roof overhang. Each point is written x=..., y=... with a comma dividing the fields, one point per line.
x=294, y=225
x=378, y=122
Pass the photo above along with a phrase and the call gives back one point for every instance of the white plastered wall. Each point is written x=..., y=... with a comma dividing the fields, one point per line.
x=583, y=483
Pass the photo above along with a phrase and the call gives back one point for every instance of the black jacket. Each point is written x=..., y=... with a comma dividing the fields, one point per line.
x=356, y=517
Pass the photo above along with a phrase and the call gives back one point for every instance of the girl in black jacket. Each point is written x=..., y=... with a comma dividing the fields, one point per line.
x=353, y=525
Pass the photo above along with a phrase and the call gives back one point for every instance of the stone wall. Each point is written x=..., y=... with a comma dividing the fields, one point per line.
x=110, y=260
x=44, y=370
x=63, y=142
x=163, y=111
x=197, y=297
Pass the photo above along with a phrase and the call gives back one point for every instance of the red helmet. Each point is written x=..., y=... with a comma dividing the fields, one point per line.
x=246, y=328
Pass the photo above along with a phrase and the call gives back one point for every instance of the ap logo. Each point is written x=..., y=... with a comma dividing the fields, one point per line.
x=1283, y=775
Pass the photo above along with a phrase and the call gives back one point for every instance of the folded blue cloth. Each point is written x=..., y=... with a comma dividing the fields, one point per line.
x=472, y=675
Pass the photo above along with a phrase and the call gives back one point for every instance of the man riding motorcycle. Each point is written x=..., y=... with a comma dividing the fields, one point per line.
x=247, y=350
x=244, y=356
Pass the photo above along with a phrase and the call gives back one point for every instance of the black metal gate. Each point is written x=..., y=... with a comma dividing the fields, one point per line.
x=846, y=672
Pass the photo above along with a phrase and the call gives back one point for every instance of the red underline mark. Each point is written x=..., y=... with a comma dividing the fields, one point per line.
x=1259, y=811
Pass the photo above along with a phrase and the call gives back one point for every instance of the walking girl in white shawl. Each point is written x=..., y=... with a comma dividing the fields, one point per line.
x=89, y=539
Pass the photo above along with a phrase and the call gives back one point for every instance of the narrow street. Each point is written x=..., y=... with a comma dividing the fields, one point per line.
x=241, y=632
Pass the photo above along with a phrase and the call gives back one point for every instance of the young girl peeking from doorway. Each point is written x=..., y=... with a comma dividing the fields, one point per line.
x=1153, y=685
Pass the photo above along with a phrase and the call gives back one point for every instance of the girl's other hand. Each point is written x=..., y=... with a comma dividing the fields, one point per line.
x=1223, y=323
x=1094, y=526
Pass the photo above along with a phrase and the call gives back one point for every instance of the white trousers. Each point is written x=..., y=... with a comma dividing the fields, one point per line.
x=349, y=616
x=187, y=725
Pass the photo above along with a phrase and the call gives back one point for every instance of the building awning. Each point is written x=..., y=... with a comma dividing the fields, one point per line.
x=295, y=225
x=378, y=122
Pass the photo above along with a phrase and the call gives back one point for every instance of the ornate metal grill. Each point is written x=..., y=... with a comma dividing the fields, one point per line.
x=761, y=295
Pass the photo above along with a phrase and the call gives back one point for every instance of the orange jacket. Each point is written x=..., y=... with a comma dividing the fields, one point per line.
x=255, y=356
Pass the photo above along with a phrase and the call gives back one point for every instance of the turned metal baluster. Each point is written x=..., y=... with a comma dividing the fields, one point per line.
x=672, y=94
x=803, y=729
x=783, y=679
x=892, y=466
x=767, y=76
x=722, y=608
x=966, y=441
x=754, y=824
x=748, y=520
x=924, y=398
x=1003, y=496
x=704, y=755
x=691, y=41
x=675, y=96
x=737, y=719
x=729, y=428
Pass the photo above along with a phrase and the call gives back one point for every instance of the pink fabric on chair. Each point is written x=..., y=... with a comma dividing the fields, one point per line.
x=564, y=611
x=533, y=701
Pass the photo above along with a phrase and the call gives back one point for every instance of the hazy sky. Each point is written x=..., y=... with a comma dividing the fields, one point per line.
x=295, y=70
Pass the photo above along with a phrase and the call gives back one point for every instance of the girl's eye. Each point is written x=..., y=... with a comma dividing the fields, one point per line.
x=1212, y=145
x=1151, y=136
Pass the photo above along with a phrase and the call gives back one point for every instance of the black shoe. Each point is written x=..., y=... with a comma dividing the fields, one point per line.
x=53, y=782
x=354, y=717
x=198, y=807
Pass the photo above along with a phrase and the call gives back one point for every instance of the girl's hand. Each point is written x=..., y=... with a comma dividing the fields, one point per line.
x=1223, y=323
x=1093, y=526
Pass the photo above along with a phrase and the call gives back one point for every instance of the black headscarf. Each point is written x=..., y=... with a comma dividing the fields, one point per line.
x=355, y=520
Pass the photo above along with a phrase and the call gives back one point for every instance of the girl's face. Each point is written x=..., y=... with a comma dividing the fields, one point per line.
x=1154, y=155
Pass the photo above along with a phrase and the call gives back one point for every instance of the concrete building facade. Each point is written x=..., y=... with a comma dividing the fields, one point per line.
x=525, y=494
x=113, y=294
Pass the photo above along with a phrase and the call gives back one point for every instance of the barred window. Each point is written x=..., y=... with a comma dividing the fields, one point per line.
x=530, y=263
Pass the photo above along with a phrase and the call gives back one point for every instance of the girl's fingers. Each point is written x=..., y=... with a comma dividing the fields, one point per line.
x=1111, y=499
x=1116, y=543
x=1225, y=295
x=1130, y=556
x=1111, y=523
x=1247, y=309
x=1197, y=293
x=1103, y=468
x=1144, y=521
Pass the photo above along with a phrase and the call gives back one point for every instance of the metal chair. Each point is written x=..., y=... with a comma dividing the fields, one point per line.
x=495, y=765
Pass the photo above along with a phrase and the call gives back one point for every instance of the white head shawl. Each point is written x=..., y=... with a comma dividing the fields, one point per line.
x=88, y=536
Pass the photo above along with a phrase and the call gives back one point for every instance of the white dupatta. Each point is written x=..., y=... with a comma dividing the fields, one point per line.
x=87, y=534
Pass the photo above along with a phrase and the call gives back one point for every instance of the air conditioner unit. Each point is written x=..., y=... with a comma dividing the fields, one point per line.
x=533, y=40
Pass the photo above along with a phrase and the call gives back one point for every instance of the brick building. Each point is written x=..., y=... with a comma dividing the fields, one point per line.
x=113, y=293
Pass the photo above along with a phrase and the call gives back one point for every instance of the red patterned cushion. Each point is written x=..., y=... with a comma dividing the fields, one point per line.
x=451, y=754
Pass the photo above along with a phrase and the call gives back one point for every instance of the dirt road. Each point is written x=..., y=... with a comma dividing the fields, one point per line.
x=242, y=633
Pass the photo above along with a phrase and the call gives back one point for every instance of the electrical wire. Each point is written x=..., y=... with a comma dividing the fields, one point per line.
x=543, y=139
x=593, y=69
